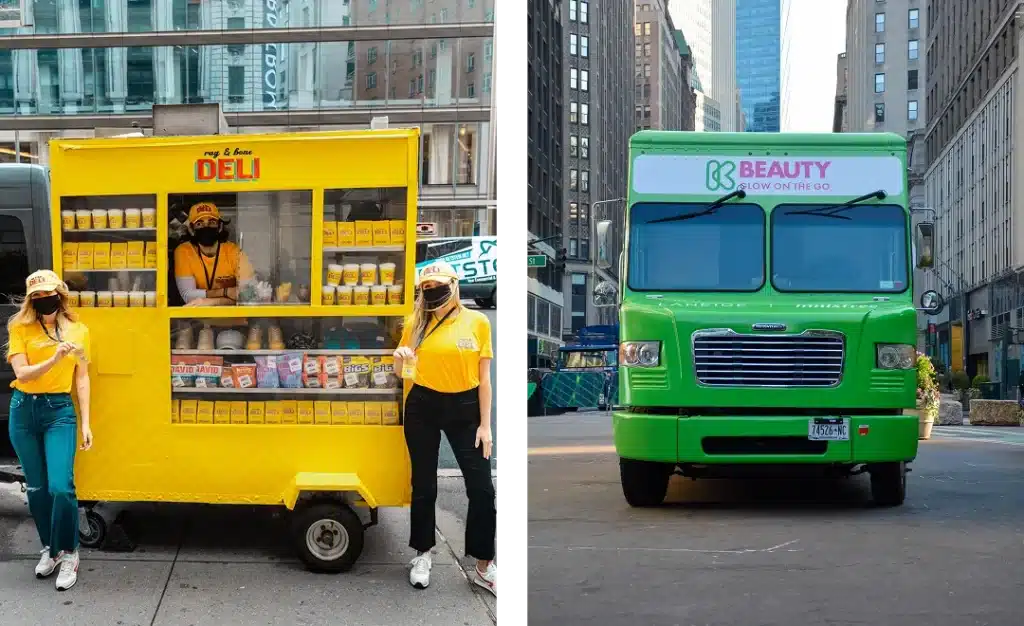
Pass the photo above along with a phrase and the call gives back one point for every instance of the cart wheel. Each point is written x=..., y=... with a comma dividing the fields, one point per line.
x=92, y=530
x=328, y=536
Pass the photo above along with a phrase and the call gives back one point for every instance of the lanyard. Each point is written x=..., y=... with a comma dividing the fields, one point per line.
x=59, y=338
x=436, y=326
x=202, y=262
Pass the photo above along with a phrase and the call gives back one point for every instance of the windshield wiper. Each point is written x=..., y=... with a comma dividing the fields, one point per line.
x=711, y=208
x=835, y=209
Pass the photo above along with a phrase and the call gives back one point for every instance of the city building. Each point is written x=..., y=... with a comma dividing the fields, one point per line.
x=689, y=96
x=545, y=192
x=885, y=65
x=272, y=65
x=598, y=43
x=711, y=33
x=760, y=63
x=660, y=82
x=973, y=156
x=839, y=123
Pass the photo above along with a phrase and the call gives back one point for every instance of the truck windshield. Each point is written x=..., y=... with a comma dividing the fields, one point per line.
x=721, y=251
x=866, y=253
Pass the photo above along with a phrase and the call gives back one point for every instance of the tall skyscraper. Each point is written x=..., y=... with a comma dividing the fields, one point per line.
x=760, y=62
x=710, y=27
x=659, y=75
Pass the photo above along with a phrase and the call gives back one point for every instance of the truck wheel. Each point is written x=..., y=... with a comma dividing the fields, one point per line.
x=92, y=530
x=328, y=536
x=644, y=483
x=888, y=483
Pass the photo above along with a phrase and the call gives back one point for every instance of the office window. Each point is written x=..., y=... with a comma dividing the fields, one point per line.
x=236, y=84
x=879, y=112
x=584, y=46
x=647, y=69
x=584, y=80
x=638, y=29
x=573, y=113
x=585, y=115
x=585, y=179
x=572, y=10
x=647, y=49
x=574, y=82
x=573, y=145
x=371, y=80
x=913, y=18
x=573, y=44
x=911, y=79
x=573, y=180
x=584, y=147
x=879, y=83
x=912, y=49
x=647, y=28
x=912, y=110
x=470, y=62
x=879, y=53
x=638, y=49
x=371, y=55
x=584, y=10
x=879, y=22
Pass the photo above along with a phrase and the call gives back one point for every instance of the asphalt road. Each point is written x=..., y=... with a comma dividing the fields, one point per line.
x=781, y=553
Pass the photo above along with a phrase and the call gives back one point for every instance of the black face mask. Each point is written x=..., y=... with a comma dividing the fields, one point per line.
x=47, y=305
x=207, y=235
x=436, y=297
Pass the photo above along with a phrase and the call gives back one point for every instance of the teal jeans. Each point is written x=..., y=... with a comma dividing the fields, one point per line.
x=44, y=433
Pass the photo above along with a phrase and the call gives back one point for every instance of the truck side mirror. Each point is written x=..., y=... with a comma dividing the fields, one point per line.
x=924, y=245
x=604, y=251
x=932, y=302
x=604, y=294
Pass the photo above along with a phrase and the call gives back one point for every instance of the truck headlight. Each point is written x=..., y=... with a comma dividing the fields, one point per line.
x=640, y=353
x=895, y=356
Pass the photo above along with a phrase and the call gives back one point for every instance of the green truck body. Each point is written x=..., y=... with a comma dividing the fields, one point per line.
x=756, y=333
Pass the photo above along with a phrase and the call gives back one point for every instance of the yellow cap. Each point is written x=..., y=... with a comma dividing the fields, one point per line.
x=44, y=280
x=439, y=271
x=201, y=210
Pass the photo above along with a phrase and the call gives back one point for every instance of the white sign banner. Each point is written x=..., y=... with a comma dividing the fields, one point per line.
x=669, y=174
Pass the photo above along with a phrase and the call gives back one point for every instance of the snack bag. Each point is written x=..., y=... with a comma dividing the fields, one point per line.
x=311, y=372
x=289, y=370
x=384, y=376
x=245, y=375
x=330, y=372
x=208, y=371
x=182, y=372
x=356, y=372
x=266, y=372
x=227, y=377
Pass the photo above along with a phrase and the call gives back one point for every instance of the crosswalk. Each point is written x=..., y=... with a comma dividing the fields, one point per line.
x=1006, y=435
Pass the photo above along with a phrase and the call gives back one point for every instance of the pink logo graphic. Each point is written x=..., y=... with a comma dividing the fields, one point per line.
x=784, y=175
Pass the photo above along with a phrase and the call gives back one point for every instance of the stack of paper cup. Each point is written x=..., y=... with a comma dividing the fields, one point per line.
x=149, y=218
x=104, y=298
x=378, y=295
x=150, y=298
x=87, y=299
x=361, y=295
x=137, y=298
x=395, y=293
x=327, y=293
x=334, y=274
x=115, y=218
x=73, y=298
x=67, y=220
x=387, y=273
x=344, y=295
x=350, y=274
x=368, y=274
x=99, y=218
x=120, y=298
x=84, y=219
x=132, y=218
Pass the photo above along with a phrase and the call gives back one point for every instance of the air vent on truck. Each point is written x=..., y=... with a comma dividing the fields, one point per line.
x=724, y=358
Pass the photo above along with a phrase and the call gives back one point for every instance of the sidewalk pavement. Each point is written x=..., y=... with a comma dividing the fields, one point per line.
x=223, y=566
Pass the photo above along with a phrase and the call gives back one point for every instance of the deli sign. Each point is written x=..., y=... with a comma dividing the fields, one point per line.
x=665, y=174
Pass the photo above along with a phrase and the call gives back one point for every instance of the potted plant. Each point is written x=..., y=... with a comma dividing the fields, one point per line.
x=927, y=396
x=962, y=384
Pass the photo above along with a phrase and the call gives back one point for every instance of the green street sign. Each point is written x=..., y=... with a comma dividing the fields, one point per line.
x=537, y=260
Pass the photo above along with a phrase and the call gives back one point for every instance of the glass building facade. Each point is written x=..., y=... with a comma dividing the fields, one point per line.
x=73, y=65
x=758, y=63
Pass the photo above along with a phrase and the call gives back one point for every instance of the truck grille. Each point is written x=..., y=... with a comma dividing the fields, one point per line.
x=725, y=358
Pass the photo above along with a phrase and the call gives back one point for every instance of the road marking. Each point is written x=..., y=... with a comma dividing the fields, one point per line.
x=949, y=439
x=689, y=550
x=561, y=450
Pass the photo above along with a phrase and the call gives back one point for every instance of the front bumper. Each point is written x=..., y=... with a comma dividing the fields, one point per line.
x=686, y=440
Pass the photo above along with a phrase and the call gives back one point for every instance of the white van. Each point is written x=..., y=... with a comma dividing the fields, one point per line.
x=474, y=258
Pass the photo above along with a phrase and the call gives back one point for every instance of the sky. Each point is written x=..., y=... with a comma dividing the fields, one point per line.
x=817, y=35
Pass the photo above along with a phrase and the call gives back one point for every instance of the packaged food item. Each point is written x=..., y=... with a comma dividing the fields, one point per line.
x=83, y=219
x=368, y=274
x=322, y=412
x=132, y=218
x=276, y=338
x=305, y=411
x=67, y=220
x=339, y=412
x=356, y=412
x=384, y=376
x=330, y=234
x=389, y=413
x=204, y=412
x=266, y=372
x=257, y=412
x=175, y=411
x=136, y=299
x=346, y=234
x=115, y=218
x=182, y=372
x=327, y=295
x=272, y=412
x=361, y=295
x=87, y=299
x=189, y=411
x=136, y=255
x=183, y=341
x=364, y=233
x=150, y=255
x=255, y=340
x=238, y=412
x=150, y=298
x=227, y=377
x=206, y=339
x=245, y=375
x=289, y=370
x=395, y=294
x=311, y=372
x=149, y=218
x=344, y=295
x=73, y=298
x=70, y=253
x=397, y=232
x=118, y=256
x=205, y=370
x=99, y=219
x=372, y=413
x=105, y=299
x=101, y=255
x=378, y=295
x=289, y=412
x=356, y=372
x=222, y=412
x=120, y=298
x=85, y=257
x=382, y=233
x=387, y=273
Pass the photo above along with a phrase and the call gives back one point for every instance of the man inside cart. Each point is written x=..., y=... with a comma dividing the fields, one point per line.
x=208, y=268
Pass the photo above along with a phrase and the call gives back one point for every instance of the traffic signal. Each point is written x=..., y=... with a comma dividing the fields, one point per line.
x=560, y=259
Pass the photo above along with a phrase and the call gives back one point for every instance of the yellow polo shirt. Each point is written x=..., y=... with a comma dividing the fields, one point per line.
x=233, y=267
x=449, y=359
x=30, y=340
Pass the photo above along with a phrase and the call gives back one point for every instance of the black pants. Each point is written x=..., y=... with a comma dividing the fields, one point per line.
x=427, y=413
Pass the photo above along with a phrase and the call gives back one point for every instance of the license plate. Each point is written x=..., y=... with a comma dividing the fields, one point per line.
x=829, y=429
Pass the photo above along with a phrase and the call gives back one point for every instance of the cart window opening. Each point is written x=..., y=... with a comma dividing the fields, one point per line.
x=718, y=251
x=242, y=248
x=13, y=259
x=866, y=253
x=364, y=245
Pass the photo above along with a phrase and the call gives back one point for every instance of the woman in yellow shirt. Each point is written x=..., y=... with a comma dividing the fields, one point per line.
x=448, y=348
x=209, y=269
x=49, y=350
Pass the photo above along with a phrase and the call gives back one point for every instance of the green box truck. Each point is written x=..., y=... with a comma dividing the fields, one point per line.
x=766, y=309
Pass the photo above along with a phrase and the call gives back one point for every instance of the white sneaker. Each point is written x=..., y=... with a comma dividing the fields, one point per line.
x=419, y=575
x=47, y=563
x=488, y=580
x=68, y=575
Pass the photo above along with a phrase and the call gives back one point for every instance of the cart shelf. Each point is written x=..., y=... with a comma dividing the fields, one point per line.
x=110, y=230
x=338, y=352
x=357, y=249
x=285, y=391
x=134, y=269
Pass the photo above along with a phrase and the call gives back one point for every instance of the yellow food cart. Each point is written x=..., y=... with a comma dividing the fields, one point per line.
x=288, y=398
